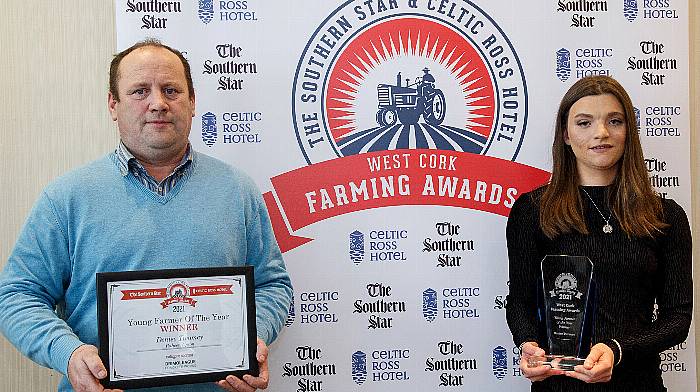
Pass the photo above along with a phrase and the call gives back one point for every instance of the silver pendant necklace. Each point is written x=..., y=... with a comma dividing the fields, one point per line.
x=607, y=228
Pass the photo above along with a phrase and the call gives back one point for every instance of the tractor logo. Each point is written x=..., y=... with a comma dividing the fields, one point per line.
x=178, y=291
x=371, y=82
x=411, y=101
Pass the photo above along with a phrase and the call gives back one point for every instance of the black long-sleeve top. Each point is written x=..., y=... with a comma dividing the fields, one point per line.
x=631, y=274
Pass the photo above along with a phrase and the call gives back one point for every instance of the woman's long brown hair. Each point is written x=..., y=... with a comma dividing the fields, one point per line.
x=633, y=201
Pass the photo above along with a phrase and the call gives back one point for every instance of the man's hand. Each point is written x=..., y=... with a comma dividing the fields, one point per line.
x=250, y=383
x=598, y=366
x=85, y=369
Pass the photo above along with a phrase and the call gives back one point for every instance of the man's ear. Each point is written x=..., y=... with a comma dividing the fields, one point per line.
x=112, y=105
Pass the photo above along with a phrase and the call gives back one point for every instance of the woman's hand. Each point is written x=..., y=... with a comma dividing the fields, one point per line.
x=598, y=366
x=539, y=373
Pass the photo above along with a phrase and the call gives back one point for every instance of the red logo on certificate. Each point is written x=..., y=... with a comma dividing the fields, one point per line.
x=178, y=291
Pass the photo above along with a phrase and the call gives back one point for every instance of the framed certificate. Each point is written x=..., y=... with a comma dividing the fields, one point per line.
x=176, y=326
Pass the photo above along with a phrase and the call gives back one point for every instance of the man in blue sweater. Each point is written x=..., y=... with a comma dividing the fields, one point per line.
x=153, y=203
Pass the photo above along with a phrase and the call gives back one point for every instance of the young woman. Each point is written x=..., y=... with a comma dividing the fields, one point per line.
x=600, y=204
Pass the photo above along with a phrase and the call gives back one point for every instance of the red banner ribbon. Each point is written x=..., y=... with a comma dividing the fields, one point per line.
x=143, y=294
x=335, y=187
x=211, y=290
x=162, y=292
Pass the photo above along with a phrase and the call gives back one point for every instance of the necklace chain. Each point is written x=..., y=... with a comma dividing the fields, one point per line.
x=607, y=228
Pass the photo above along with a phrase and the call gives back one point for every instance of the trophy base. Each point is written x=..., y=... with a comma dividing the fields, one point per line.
x=559, y=362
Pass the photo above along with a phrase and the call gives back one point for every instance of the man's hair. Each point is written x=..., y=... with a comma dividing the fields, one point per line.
x=632, y=199
x=148, y=42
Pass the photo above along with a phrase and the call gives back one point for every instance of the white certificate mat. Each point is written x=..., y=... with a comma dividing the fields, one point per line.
x=189, y=326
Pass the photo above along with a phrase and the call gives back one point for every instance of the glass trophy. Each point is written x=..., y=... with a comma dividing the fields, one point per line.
x=567, y=283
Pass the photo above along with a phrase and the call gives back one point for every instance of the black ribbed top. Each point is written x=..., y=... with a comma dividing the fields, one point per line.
x=631, y=274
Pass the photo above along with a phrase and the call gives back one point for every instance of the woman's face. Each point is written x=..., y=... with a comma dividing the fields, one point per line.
x=596, y=130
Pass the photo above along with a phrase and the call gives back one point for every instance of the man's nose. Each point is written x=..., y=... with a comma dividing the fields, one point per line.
x=157, y=101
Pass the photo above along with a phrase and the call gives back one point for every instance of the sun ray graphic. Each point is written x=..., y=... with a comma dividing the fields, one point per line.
x=400, y=53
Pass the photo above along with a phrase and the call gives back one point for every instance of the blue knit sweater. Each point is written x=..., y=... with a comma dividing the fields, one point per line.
x=94, y=219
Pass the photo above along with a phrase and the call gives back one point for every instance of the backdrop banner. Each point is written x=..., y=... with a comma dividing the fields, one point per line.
x=390, y=139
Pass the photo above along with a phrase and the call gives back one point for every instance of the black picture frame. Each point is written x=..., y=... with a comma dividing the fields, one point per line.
x=108, y=282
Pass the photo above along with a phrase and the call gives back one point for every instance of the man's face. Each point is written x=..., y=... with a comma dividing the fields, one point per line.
x=154, y=112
